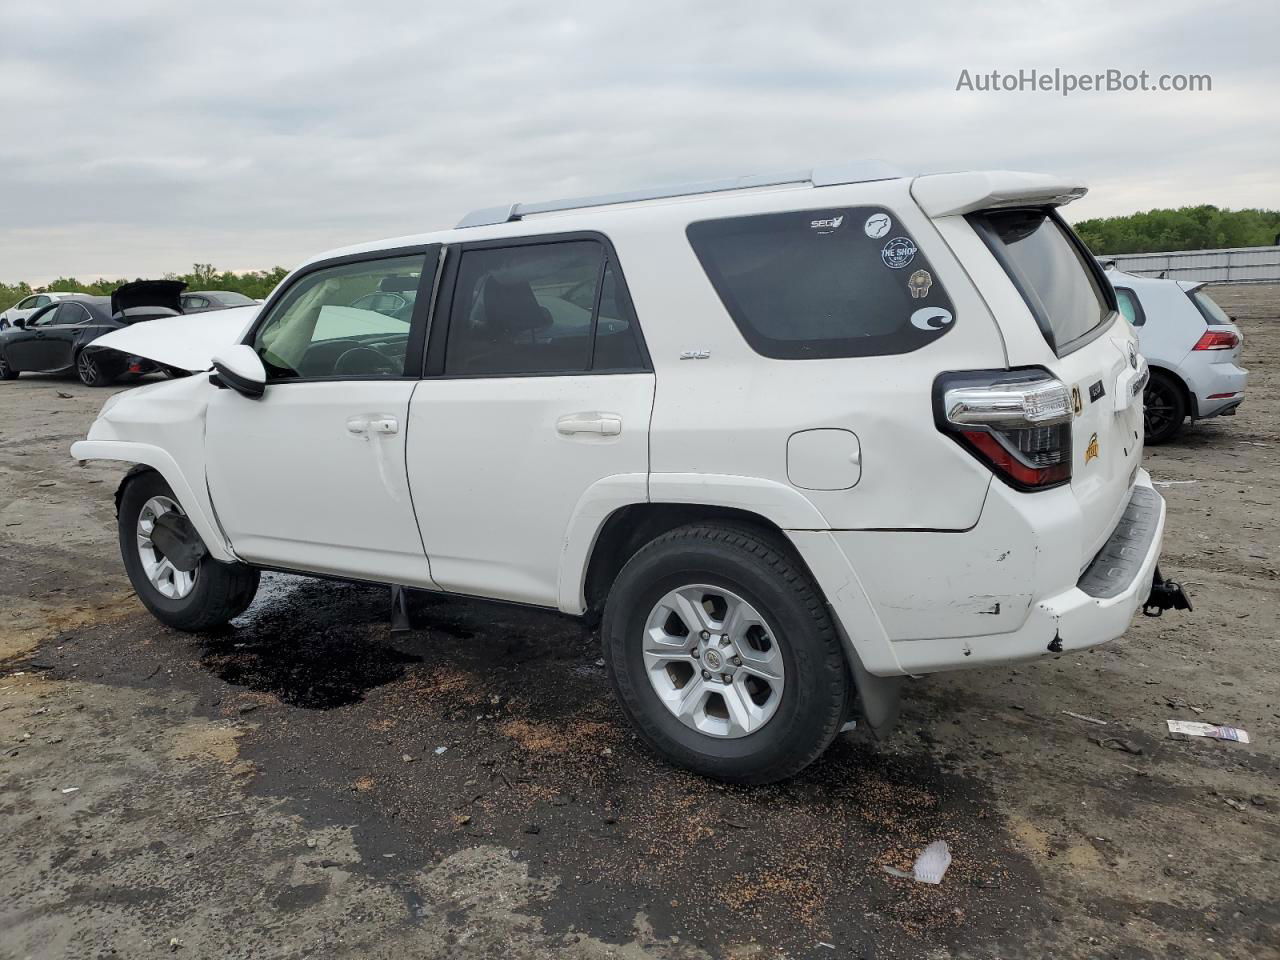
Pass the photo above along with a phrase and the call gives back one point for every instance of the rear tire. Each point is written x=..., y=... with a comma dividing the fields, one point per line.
x=217, y=593
x=1164, y=408
x=90, y=371
x=732, y=568
x=7, y=372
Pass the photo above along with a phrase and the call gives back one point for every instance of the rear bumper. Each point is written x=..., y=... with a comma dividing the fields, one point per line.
x=1219, y=388
x=1098, y=608
x=1006, y=590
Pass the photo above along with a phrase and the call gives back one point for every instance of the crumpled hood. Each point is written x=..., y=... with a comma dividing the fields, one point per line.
x=148, y=293
x=185, y=342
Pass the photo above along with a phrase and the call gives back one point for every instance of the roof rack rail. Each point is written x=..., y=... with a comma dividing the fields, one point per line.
x=862, y=171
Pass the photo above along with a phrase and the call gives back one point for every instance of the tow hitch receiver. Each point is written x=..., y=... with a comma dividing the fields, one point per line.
x=1165, y=595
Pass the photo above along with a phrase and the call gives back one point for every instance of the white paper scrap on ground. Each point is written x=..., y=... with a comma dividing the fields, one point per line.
x=932, y=863
x=1195, y=728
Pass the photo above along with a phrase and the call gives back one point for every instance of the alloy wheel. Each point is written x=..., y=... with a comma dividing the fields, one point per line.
x=171, y=582
x=713, y=661
x=1159, y=407
x=87, y=368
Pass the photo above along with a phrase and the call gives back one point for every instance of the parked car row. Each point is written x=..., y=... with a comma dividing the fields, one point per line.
x=53, y=332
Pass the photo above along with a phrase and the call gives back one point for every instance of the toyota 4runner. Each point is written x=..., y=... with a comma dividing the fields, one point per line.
x=790, y=438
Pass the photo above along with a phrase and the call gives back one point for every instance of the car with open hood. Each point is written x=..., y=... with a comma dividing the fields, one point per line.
x=59, y=337
x=788, y=440
x=1193, y=349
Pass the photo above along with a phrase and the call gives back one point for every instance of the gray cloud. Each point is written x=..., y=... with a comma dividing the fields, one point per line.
x=142, y=137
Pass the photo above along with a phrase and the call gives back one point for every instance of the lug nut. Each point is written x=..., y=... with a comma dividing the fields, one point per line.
x=736, y=661
x=706, y=635
x=706, y=674
x=694, y=653
x=727, y=678
x=724, y=640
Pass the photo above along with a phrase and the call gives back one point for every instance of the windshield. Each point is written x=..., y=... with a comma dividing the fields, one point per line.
x=1050, y=272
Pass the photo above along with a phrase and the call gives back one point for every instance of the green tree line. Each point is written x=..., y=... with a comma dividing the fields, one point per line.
x=203, y=276
x=1205, y=227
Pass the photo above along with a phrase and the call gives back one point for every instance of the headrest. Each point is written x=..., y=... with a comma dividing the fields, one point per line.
x=510, y=307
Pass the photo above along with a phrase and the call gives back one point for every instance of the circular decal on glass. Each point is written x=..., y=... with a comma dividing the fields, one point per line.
x=898, y=253
x=877, y=225
x=931, y=318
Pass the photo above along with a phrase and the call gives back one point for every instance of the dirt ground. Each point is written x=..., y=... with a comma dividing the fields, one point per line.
x=303, y=785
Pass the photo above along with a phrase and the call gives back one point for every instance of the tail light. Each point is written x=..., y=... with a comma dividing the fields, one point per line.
x=1017, y=422
x=1217, y=340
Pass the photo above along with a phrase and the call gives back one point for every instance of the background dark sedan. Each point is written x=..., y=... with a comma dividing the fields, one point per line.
x=53, y=339
x=199, y=301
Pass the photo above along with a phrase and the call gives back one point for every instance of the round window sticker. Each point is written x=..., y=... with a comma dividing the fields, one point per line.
x=877, y=225
x=898, y=253
x=931, y=318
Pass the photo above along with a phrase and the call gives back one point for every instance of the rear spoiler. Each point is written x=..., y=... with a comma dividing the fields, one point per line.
x=955, y=194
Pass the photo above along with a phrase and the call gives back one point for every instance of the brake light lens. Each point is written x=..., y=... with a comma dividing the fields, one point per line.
x=1217, y=340
x=1017, y=422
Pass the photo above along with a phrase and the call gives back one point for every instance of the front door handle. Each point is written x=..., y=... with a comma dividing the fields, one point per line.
x=363, y=426
x=600, y=424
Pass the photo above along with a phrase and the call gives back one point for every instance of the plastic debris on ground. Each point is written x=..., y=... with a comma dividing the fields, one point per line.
x=1081, y=716
x=1195, y=728
x=929, y=866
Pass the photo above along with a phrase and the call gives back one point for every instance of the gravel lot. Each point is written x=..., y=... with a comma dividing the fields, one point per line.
x=303, y=785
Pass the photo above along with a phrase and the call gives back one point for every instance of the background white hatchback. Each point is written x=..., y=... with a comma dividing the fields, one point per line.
x=1192, y=347
x=27, y=306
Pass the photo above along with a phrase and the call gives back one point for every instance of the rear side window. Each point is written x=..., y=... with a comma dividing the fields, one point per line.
x=817, y=284
x=540, y=309
x=1130, y=307
x=1050, y=270
x=1212, y=313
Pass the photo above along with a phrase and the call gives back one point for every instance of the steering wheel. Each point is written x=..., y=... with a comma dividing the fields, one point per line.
x=365, y=361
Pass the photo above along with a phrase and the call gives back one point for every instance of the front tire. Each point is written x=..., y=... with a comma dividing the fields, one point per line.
x=723, y=655
x=208, y=596
x=1164, y=408
x=7, y=372
x=90, y=371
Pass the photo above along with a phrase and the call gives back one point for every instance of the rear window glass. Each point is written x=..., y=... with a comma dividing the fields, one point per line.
x=1211, y=312
x=1059, y=286
x=815, y=284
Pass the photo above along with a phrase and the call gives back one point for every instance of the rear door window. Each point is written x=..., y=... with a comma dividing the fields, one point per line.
x=539, y=309
x=817, y=284
x=1051, y=270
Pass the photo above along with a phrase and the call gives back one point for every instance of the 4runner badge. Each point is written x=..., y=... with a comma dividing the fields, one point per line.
x=1091, y=451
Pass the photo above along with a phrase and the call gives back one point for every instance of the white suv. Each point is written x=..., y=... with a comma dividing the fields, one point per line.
x=793, y=439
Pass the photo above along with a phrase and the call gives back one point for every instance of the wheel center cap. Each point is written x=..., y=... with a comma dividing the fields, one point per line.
x=712, y=659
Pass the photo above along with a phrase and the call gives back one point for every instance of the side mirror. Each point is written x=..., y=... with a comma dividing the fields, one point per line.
x=20, y=323
x=239, y=368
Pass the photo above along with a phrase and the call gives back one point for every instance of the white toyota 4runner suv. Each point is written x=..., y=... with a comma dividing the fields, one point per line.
x=792, y=438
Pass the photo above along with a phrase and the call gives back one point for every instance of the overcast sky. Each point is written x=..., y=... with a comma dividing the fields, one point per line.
x=141, y=136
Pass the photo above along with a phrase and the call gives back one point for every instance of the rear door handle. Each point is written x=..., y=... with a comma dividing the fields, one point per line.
x=600, y=424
